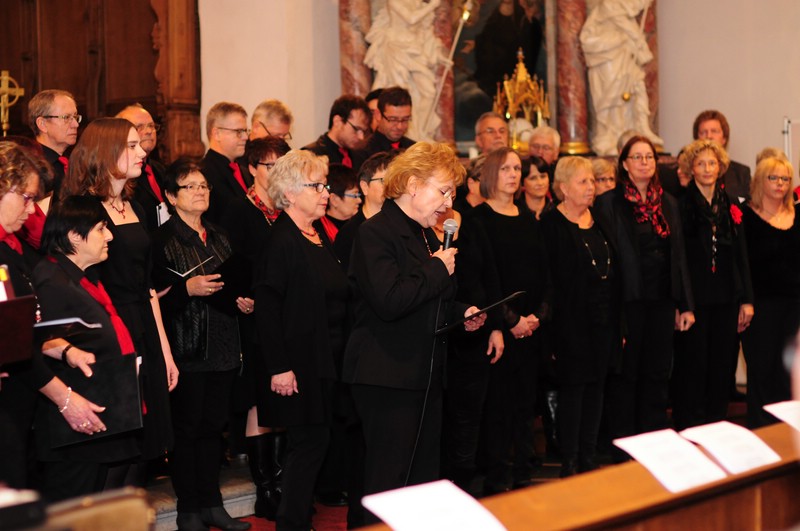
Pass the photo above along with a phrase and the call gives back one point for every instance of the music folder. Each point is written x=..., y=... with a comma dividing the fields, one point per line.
x=450, y=326
x=16, y=329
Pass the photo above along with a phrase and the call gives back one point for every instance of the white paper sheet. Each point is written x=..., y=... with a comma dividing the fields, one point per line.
x=788, y=412
x=675, y=462
x=437, y=506
x=736, y=448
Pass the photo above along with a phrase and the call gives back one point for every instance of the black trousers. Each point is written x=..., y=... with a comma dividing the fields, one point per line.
x=580, y=408
x=705, y=357
x=61, y=480
x=464, y=399
x=774, y=324
x=639, y=393
x=200, y=410
x=510, y=413
x=392, y=420
x=305, y=453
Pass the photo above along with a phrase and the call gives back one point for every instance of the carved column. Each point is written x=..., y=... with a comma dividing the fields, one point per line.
x=573, y=118
x=443, y=29
x=176, y=39
x=651, y=68
x=354, y=22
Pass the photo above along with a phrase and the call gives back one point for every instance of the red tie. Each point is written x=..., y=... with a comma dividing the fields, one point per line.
x=346, y=160
x=64, y=162
x=396, y=145
x=237, y=174
x=151, y=178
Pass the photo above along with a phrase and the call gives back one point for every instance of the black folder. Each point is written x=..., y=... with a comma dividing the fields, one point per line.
x=16, y=329
x=113, y=384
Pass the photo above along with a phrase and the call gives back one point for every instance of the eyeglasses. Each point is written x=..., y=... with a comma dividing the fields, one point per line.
x=491, y=131
x=781, y=178
x=145, y=127
x=267, y=165
x=380, y=179
x=286, y=136
x=363, y=130
x=66, y=118
x=541, y=147
x=196, y=187
x=395, y=120
x=446, y=194
x=605, y=180
x=26, y=198
x=239, y=132
x=318, y=187
x=356, y=195
x=639, y=158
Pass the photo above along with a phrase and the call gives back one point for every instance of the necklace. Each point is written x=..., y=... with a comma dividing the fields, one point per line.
x=121, y=211
x=594, y=262
x=269, y=214
x=312, y=234
x=424, y=239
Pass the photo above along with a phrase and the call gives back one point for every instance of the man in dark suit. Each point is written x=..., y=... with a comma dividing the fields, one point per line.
x=53, y=118
x=348, y=129
x=226, y=127
x=712, y=125
x=149, y=191
x=394, y=107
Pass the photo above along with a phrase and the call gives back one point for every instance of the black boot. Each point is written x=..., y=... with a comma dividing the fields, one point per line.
x=219, y=517
x=190, y=522
x=260, y=457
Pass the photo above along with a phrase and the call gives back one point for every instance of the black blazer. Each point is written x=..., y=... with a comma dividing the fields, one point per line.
x=615, y=216
x=293, y=331
x=397, y=287
x=377, y=143
x=145, y=196
x=737, y=182
x=216, y=168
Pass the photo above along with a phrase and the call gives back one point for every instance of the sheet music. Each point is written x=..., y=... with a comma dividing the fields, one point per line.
x=736, y=448
x=788, y=412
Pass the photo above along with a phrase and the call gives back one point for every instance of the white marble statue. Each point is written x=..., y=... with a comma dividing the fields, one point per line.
x=405, y=51
x=616, y=50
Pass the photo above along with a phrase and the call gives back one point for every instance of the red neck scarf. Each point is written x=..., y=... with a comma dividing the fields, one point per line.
x=346, y=160
x=330, y=229
x=396, y=145
x=151, y=179
x=10, y=239
x=99, y=294
x=650, y=210
x=237, y=174
x=270, y=214
x=64, y=162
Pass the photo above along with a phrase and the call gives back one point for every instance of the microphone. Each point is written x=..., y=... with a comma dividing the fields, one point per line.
x=450, y=227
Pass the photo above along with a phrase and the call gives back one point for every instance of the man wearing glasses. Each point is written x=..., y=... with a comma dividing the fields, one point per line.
x=491, y=132
x=226, y=127
x=149, y=191
x=271, y=118
x=348, y=131
x=394, y=106
x=53, y=117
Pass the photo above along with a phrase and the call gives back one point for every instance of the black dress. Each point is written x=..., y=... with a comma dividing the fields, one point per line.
x=126, y=277
x=774, y=256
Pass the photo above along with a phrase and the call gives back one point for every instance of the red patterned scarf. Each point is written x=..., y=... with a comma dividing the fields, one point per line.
x=650, y=210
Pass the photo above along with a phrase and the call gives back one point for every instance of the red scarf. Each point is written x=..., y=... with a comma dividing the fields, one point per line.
x=99, y=294
x=10, y=239
x=330, y=229
x=650, y=210
x=270, y=214
x=346, y=160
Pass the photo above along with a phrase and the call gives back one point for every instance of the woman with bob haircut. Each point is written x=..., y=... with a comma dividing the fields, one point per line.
x=705, y=356
x=302, y=301
x=105, y=164
x=644, y=228
x=534, y=193
x=585, y=305
x=404, y=289
x=772, y=225
x=76, y=238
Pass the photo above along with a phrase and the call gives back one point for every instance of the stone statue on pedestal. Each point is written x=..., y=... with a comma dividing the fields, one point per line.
x=405, y=51
x=616, y=50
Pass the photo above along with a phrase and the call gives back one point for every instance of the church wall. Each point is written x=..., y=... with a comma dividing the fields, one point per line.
x=251, y=50
x=737, y=56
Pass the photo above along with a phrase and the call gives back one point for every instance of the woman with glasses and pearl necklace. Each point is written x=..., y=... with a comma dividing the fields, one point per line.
x=772, y=228
x=585, y=297
x=646, y=235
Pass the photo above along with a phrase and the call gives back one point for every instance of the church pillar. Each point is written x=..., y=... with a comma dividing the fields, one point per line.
x=651, y=68
x=443, y=29
x=354, y=22
x=573, y=116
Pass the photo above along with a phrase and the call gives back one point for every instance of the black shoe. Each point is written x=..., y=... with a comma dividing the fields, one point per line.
x=190, y=522
x=265, y=472
x=523, y=484
x=568, y=468
x=332, y=499
x=219, y=517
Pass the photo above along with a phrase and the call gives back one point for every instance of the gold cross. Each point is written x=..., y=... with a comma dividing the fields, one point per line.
x=5, y=91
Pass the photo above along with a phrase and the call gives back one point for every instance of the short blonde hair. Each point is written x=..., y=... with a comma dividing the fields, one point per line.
x=693, y=150
x=421, y=160
x=765, y=168
x=566, y=168
x=272, y=109
x=289, y=172
x=601, y=166
x=770, y=152
x=219, y=112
